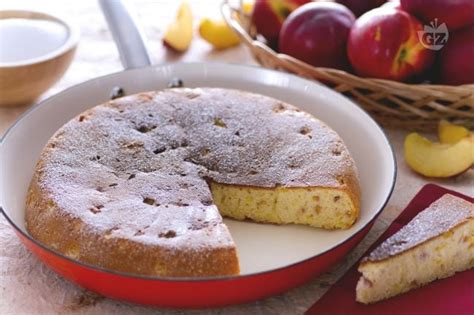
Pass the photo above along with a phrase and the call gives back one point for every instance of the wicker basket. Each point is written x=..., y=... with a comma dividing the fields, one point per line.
x=391, y=103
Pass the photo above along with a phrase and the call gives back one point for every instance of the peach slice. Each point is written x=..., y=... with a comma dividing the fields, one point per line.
x=247, y=6
x=451, y=133
x=218, y=33
x=179, y=34
x=438, y=159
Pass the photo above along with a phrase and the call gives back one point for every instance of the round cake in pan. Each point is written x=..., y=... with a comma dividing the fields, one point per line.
x=140, y=184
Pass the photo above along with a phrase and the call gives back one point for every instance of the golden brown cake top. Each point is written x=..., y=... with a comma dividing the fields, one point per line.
x=440, y=217
x=141, y=162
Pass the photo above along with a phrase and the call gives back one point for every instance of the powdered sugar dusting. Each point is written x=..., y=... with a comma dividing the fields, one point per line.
x=440, y=217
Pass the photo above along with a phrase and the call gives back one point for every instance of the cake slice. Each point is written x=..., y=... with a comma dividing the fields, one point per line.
x=437, y=243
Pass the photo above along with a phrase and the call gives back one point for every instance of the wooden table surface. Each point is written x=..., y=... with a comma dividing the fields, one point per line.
x=28, y=287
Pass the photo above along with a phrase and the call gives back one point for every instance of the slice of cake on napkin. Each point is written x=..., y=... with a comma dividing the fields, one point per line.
x=437, y=243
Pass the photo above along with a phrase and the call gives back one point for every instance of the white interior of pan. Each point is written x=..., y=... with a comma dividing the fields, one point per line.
x=261, y=247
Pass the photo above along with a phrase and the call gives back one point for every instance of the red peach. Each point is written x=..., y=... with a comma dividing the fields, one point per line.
x=269, y=15
x=317, y=33
x=359, y=7
x=384, y=43
x=455, y=13
x=456, y=58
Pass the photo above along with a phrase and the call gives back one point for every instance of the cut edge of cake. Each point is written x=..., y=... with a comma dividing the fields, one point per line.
x=322, y=207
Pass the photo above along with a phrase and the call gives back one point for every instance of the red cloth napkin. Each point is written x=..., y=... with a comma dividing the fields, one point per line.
x=453, y=295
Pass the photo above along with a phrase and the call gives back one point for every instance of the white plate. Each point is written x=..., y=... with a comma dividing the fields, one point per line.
x=261, y=247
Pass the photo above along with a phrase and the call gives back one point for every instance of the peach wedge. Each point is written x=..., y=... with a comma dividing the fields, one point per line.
x=438, y=159
x=218, y=33
x=451, y=133
x=179, y=34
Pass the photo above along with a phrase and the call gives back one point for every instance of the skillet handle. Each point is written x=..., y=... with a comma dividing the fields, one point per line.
x=127, y=35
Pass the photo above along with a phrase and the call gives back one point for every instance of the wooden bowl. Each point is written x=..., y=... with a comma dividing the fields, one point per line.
x=23, y=81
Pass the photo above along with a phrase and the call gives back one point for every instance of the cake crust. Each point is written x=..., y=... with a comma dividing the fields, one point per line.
x=124, y=185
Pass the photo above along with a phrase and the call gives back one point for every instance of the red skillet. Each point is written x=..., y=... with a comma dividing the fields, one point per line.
x=273, y=258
